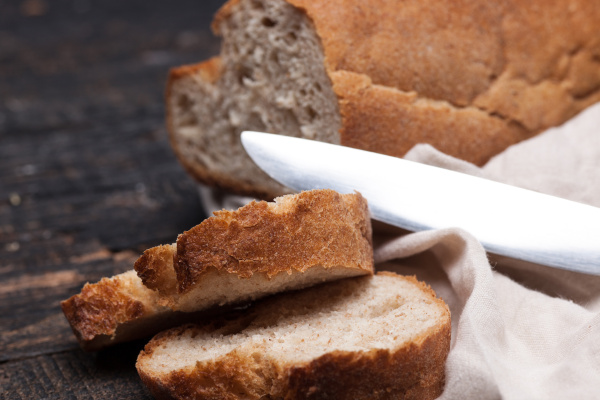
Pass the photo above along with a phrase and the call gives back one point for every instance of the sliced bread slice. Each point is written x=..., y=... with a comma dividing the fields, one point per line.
x=384, y=336
x=260, y=249
x=263, y=248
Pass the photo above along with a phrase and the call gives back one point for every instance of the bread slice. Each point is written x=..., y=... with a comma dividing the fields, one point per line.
x=232, y=257
x=382, y=75
x=262, y=248
x=378, y=337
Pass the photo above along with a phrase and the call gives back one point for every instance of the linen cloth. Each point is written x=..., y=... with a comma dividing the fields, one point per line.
x=519, y=330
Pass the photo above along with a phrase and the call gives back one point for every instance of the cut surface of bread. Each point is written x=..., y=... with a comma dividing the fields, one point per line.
x=383, y=336
x=382, y=76
x=233, y=257
x=249, y=88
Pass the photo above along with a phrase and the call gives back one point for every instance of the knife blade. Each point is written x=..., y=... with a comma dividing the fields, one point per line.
x=507, y=220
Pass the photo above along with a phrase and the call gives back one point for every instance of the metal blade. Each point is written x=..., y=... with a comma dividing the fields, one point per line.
x=507, y=220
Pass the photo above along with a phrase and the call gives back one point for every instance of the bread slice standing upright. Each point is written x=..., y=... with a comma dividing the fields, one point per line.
x=470, y=77
x=233, y=257
x=379, y=337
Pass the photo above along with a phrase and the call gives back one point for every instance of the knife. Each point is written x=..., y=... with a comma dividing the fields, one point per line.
x=507, y=220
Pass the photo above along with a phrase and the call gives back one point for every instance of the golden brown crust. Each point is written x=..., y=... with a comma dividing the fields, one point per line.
x=155, y=268
x=121, y=309
x=458, y=51
x=222, y=14
x=413, y=371
x=229, y=379
x=316, y=228
x=335, y=227
x=495, y=96
x=387, y=121
x=208, y=71
x=101, y=308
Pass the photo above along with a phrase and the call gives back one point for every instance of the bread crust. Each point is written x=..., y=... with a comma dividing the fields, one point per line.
x=468, y=77
x=469, y=52
x=301, y=240
x=412, y=371
x=108, y=296
x=367, y=108
x=155, y=268
x=96, y=313
x=483, y=94
x=313, y=228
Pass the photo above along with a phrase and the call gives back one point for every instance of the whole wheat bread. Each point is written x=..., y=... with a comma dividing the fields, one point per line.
x=470, y=77
x=232, y=257
x=378, y=337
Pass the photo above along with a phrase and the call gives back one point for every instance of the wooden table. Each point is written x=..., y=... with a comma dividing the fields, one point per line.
x=87, y=178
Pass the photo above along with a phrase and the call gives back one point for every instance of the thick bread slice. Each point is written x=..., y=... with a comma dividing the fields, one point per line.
x=470, y=77
x=260, y=249
x=379, y=337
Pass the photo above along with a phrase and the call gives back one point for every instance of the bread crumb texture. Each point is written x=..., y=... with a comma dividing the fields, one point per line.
x=385, y=336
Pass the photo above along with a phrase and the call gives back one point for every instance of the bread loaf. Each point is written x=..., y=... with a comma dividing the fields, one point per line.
x=232, y=257
x=470, y=77
x=380, y=337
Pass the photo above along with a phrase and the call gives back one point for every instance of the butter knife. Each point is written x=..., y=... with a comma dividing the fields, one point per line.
x=507, y=220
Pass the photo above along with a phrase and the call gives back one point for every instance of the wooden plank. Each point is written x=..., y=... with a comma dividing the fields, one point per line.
x=82, y=59
x=91, y=187
x=87, y=177
x=78, y=213
x=31, y=322
x=74, y=374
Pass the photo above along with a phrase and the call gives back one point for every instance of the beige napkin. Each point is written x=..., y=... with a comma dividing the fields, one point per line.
x=519, y=331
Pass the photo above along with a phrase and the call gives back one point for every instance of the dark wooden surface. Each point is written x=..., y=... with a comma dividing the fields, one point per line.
x=87, y=178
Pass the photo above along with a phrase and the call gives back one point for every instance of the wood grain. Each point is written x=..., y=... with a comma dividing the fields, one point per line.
x=87, y=177
x=73, y=374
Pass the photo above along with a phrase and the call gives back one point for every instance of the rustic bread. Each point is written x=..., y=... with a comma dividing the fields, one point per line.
x=232, y=257
x=385, y=336
x=261, y=248
x=469, y=77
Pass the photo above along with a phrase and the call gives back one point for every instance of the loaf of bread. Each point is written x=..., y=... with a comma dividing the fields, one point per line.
x=379, y=337
x=235, y=256
x=470, y=77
